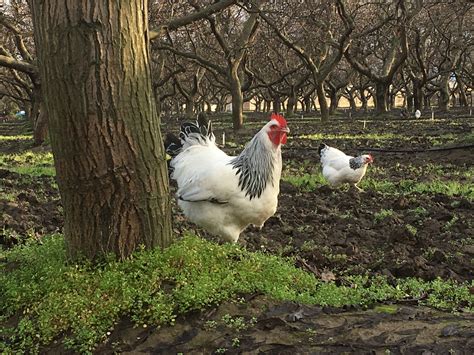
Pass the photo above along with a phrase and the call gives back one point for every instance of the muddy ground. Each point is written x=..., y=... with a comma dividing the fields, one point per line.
x=329, y=232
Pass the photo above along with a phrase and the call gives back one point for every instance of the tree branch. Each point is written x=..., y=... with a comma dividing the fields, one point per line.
x=22, y=66
x=20, y=44
x=199, y=60
x=173, y=24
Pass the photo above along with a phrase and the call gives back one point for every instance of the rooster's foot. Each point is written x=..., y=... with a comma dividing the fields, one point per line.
x=357, y=188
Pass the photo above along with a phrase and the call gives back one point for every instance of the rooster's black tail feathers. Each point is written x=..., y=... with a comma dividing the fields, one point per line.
x=321, y=147
x=190, y=134
x=204, y=124
x=172, y=144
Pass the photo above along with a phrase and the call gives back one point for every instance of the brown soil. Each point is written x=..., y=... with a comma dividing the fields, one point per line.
x=328, y=231
x=35, y=209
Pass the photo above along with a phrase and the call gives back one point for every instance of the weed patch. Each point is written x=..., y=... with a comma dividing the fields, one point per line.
x=84, y=301
x=29, y=163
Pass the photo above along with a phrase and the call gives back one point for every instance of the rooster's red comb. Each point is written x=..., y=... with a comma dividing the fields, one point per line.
x=279, y=118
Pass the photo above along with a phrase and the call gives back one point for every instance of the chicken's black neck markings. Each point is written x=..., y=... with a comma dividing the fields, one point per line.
x=356, y=163
x=254, y=167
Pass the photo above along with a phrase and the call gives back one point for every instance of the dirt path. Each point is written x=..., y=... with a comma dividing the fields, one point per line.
x=259, y=326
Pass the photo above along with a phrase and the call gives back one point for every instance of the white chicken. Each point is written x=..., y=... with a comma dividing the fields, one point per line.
x=225, y=194
x=339, y=168
x=417, y=114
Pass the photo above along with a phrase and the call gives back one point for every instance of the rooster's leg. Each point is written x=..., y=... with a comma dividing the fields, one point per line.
x=358, y=188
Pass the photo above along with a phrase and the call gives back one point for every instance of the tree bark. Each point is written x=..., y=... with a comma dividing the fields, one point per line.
x=364, y=101
x=443, y=102
x=189, y=108
x=381, y=97
x=258, y=104
x=462, y=92
x=427, y=100
x=334, y=97
x=290, y=107
x=36, y=113
x=40, y=131
x=267, y=106
x=105, y=132
x=351, y=99
x=323, y=105
x=417, y=95
x=276, y=104
x=237, y=98
x=307, y=103
x=409, y=102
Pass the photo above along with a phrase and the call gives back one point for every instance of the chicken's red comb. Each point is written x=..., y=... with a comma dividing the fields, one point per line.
x=279, y=118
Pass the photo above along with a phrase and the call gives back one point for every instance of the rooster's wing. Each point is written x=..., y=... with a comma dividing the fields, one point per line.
x=203, y=173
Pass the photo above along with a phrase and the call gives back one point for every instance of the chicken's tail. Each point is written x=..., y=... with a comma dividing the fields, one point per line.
x=191, y=133
x=197, y=133
x=173, y=145
x=322, y=146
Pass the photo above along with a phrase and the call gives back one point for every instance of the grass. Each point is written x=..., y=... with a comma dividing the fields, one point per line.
x=382, y=214
x=305, y=181
x=311, y=181
x=83, y=302
x=6, y=195
x=20, y=137
x=450, y=188
x=29, y=163
x=326, y=136
x=445, y=171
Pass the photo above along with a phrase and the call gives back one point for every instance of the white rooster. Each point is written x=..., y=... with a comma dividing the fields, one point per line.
x=225, y=194
x=339, y=168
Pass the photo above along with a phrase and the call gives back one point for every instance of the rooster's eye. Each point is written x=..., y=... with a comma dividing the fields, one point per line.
x=273, y=126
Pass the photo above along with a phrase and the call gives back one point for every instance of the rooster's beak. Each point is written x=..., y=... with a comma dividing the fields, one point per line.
x=285, y=129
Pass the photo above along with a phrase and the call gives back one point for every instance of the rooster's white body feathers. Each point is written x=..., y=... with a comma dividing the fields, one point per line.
x=225, y=194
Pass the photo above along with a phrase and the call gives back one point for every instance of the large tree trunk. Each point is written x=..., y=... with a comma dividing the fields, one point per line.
x=443, y=102
x=364, y=101
x=334, y=98
x=267, y=104
x=323, y=105
x=427, y=100
x=38, y=117
x=290, y=107
x=409, y=102
x=104, y=128
x=307, y=103
x=189, y=108
x=381, y=97
x=276, y=104
x=462, y=92
x=40, y=131
x=258, y=103
x=352, y=102
x=237, y=99
x=417, y=95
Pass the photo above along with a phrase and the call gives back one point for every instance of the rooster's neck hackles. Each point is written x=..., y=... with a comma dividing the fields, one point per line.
x=356, y=163
x=255, y=167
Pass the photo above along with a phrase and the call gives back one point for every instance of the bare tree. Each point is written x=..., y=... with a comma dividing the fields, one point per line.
x=23, y=72
x=380, y=44
x=233, y=31
x=338, y=80
x=324, y=48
